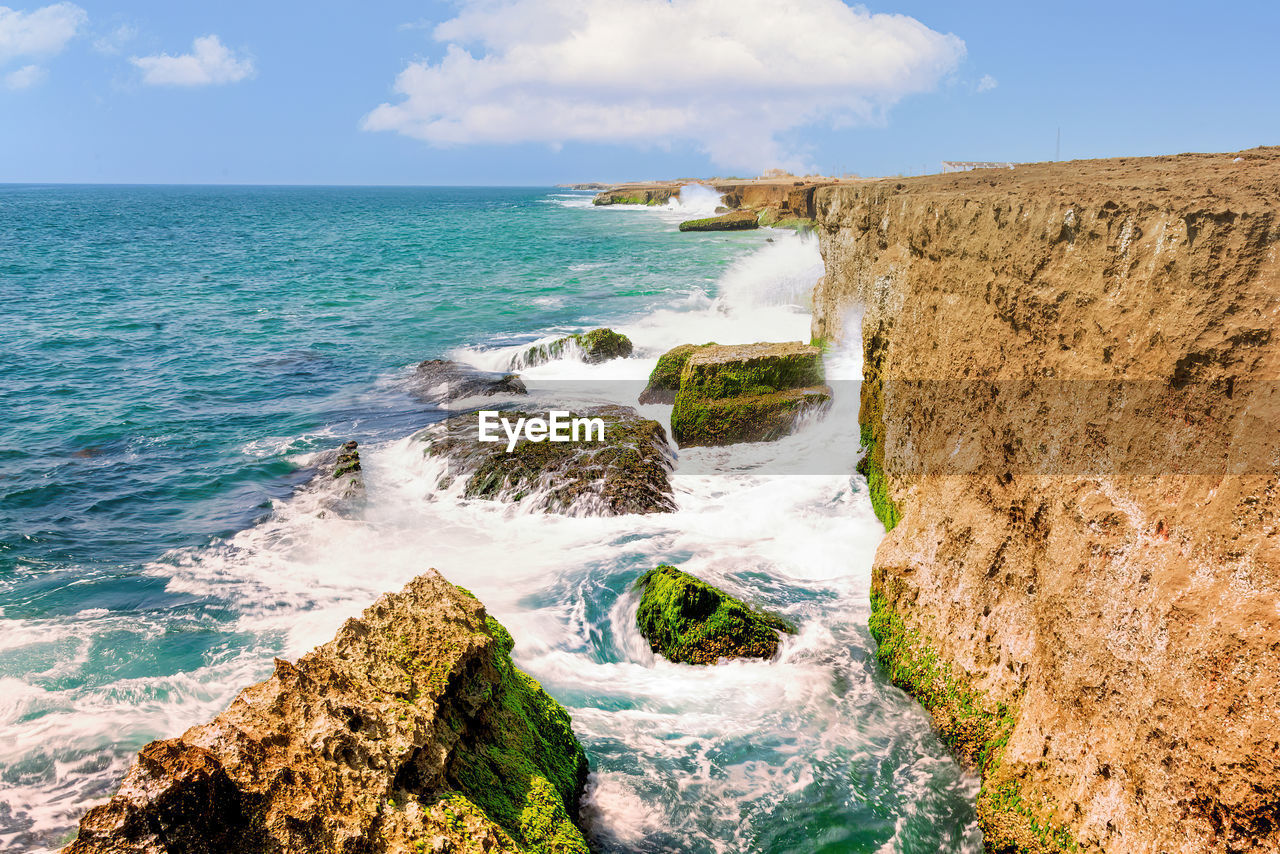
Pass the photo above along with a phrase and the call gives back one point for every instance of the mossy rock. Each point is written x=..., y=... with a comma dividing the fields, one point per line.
x=594, y=347
x=628, y=472
x=746, y=393
x=732, y=221
x=348, y=461
x=522, y=767
x=699, y=422
x=664, y=381
x=690, y=622
x=444, y=381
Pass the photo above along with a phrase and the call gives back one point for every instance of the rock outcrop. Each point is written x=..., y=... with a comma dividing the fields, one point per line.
x=444, y=381
x=786, y=200
x=626, y=472
x=664, y=380
x=746, y=393
x=1071, y=409
x=732, y=221
x=690, y=622
x=410, y=731
x=594, y=347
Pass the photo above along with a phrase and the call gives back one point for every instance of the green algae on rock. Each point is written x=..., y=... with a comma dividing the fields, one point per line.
x=348, y=460
x=410, y=731
x=691, y=622
x=629, y=472
x=594, y=347
x=664, y=381
x=746, y=393
x=732, y=221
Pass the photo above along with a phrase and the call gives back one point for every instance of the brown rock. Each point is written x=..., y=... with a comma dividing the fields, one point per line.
x=1071, y=403
x=374, y=742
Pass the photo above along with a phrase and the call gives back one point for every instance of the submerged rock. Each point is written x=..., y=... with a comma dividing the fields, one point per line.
x=664, y=381
x=732, y=221
x=746, y=393
x=410, y=731
x=594, y=347
x=443, y=381
x=628, y=472
x=691, y=622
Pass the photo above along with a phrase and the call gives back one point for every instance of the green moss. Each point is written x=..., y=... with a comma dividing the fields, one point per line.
x=871, y=467
x=749, y=418
x=972, y=726
x=689, y=621
x=348, y=460
x=598, y=345
x=746, y=394
x=523, y=765
x=760, y=374
x=664, y=380
x=771, y=218
x=731, y=221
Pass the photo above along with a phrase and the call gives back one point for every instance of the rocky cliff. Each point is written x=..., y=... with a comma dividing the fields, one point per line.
x=1071, y=406
x=410, y=731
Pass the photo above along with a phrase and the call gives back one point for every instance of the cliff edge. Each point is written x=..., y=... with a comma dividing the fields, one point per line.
x=410, y=731
x=1070, y=404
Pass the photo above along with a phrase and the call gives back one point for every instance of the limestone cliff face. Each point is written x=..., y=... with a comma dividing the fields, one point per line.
x=410, y=731
x=1071, y=402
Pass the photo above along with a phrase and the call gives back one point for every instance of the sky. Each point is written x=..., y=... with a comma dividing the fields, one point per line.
x=538, y=92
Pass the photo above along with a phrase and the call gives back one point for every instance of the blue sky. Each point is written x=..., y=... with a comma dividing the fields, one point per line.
x=536, y=92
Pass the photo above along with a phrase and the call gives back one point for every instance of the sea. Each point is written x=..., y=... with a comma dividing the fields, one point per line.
x=174, y=361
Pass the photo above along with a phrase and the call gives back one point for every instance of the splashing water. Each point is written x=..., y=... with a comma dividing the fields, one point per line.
x=810, y=752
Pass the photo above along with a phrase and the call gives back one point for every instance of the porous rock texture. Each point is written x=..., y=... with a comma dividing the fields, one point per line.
x=410, y=731
x=628, y=472
x=1071, y=406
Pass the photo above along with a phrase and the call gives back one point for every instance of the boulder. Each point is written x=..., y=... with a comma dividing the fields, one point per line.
x=746, y=393
x=594, y=347
x=410, y=731
x=628, y=472
x=443, y=381
x=690, y=622
x=664, y=381
x=732, y=221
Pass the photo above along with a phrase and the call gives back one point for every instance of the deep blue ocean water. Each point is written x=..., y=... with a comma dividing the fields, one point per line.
x=171, y=358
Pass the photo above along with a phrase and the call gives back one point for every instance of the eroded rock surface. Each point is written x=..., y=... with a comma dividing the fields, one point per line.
x=732, y=221
x=1071, y=405
x=690, y=622
x=444, y=381
x=410, y=731
x=594, y=347
x=628, y=472
x=664, y=380
x=746, y=393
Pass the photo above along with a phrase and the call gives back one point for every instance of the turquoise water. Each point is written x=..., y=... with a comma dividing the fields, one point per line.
x=174, y=356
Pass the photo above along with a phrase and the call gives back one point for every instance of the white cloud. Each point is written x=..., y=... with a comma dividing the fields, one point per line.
x=210, y=62
x=24, y=78
x=732, y=76
x=987, y=83
x=113, y=43
x=42, y=32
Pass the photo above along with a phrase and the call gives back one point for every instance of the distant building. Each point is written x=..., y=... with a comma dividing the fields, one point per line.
x=970, y=165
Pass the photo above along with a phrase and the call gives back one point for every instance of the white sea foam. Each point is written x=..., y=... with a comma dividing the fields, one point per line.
x=697, y=759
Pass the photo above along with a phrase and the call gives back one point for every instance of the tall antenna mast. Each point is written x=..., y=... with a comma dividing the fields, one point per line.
x=1057, y=151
